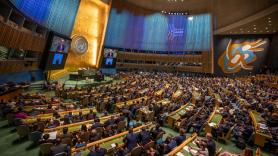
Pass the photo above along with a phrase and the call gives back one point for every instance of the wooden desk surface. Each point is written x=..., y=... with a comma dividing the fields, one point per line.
x=130, y=102
x=118, y=138
x=76, y=126
x=44, y=117
x=177, y=94
x=180, y=148
x=256, y=119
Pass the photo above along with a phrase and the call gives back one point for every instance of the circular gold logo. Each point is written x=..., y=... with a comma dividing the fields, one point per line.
x=79, y=45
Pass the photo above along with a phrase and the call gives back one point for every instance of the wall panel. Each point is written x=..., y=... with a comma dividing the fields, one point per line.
x=57, y=15
x=16, y=38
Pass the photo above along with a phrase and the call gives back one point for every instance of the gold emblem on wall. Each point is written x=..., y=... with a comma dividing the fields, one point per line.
x=79, y=45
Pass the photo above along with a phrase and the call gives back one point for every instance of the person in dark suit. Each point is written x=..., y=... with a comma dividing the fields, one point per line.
x=96, y=124
x=181, y=137
x=211, y=146
x=98, y=151
x=61, y=46
x=144, y=136
x=59, y=147
x=130, y=140
x=65, y=134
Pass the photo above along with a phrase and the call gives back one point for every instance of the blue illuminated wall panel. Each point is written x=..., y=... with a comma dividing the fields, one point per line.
x=57, y=15
x=158, y=32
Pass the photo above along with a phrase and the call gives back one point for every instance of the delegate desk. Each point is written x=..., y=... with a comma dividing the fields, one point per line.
x=213, y=121
x=177, y=94
x=77, y=126
x=182, y=149
x=130, y=102
x=144, y=111
x=44, y=107
x=44, y=117
x=195, y=96
x=161, y=91
x=107, y=142
x=262, y=133
x=243, y=102
x=173, y=117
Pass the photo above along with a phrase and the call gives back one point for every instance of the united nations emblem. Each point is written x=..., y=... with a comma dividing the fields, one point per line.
x=79, y=45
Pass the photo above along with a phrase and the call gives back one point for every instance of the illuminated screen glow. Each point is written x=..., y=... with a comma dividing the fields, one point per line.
x=57, y=59
x=57, y=15
x=158, y=32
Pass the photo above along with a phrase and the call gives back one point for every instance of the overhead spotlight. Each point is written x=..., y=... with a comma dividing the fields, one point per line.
x=190, y=18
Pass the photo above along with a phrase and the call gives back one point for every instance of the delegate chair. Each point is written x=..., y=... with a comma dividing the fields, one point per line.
x=45, y=149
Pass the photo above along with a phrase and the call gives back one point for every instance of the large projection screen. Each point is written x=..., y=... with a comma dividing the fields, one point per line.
x=158, y=32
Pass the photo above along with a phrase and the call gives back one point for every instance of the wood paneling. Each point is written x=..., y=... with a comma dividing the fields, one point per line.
x=12, y=36
x=204, y=59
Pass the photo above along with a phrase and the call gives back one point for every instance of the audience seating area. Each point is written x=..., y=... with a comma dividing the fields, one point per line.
x=144, y=115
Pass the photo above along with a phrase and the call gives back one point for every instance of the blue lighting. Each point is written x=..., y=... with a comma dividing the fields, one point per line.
x=57, y=15
x=158, y=32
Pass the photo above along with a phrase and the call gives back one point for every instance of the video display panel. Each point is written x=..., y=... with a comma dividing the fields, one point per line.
x=56, y=52
x=109, y=58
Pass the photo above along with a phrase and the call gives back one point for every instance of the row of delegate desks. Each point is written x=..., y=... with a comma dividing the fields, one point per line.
x=144, y=111
x=262, y=133
x=106, y=142
x=182, y=149
x=173, y=117
x=54, y=132
x=44, y=106
x=44, y=117
x=130, y=102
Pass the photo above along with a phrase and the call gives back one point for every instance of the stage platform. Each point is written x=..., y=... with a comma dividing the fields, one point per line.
x=82, y=83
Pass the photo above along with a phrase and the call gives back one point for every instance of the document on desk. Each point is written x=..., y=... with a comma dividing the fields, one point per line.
x=52, y=135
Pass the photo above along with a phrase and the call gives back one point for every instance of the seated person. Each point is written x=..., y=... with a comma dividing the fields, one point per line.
x=79, y=143
x=202, y=151
x=181, y=137
x=59, y=147
x=68, y=118
x=144, y=136
x=97, y=151
x=96, y=124
x=152, y=152
x=20, y=114
x=91, y=115
x=209, y=143
x=65, y=133
x=171, y=145
x=130, y=139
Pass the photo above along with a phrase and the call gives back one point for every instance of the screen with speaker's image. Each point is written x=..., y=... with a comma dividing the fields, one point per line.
x=56, y=60
x=56, y=52
x=60, y=45
x=109, y=58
